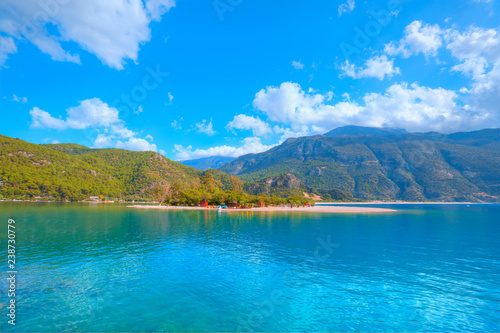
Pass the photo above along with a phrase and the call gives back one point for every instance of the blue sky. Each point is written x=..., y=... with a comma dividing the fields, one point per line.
x=191, y=79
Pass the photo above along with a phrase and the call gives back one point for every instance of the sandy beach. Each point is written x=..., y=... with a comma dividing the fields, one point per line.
x=315, y=209
x=400, y=203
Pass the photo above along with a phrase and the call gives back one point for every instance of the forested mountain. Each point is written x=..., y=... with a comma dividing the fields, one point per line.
x=212, y=162
x=407, y=166
x=74, y=172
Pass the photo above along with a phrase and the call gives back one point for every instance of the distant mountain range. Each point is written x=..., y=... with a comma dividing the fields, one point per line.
x=386, y=164
x=212, y=162
x=348, y=163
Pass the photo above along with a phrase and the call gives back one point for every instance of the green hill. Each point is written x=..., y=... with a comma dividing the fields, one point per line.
x=416, y=166
x=29, y=170
x=74, y=172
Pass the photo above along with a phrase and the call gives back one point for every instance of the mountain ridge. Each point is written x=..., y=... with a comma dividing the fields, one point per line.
x=211, y=162
x=407, y=166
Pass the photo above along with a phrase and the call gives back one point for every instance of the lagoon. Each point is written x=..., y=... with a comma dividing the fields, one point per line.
x=109, y=268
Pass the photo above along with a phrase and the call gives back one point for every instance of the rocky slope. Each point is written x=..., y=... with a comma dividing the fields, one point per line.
x=406, y=166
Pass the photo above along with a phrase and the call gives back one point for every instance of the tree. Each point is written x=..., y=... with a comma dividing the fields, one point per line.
x=208, y=182
x=159, y=193
x=236, y=185
x=174, y=192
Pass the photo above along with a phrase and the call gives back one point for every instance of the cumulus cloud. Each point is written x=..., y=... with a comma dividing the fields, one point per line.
x=7, y=46
x=475, y=47
x=137, y=144
x=96, y=115
x=418, y=38
x=298, y=65
x=250, y=145
x=376, y=67
x=90, y=113
x=478, y=53
x=289, y=104
x=403, y=105
x=346, y=7
x=103, y=141
x=43, y=119
x=205, y=127
x=244, y=122
x=112, y=30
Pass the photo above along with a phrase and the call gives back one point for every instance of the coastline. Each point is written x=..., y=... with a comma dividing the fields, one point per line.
x=315, y=209
x=403, y=203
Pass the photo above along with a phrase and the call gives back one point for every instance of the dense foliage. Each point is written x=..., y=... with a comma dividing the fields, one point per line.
x=207, y=188
x=74, y=172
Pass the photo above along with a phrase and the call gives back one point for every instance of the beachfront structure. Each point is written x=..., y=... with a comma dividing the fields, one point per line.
x=204, y=203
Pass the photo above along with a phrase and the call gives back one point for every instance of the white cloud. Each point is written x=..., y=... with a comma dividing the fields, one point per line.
x=413, y=107
x=112, y=30
x=90, y=113
x=418, y=38
x=16, y=98
x=157, y=8
x=347, y=7
x=7, y=46
x=205, y=127
x=176, y=125
x=43, y=119
x=484, y=95
x=479, y=52
x=121, y=131
x=289, y=104
x=377, y=67
x=96, y=115
x=103, y=141
x=298, y=65
x=244, y=122
x=149, y=137
x=139, y=110
x=302, y=131
x=475, y=47
x=137, y=144
x=170, y=99
x=250, y=145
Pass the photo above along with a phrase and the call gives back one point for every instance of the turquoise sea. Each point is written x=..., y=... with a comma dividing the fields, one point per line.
x=108, y=268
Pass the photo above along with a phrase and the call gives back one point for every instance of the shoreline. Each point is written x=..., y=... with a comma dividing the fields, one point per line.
x=404, y=203
x=315, y=209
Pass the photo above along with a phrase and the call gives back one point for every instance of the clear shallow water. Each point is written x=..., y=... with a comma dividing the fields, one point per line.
x=109, y=268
